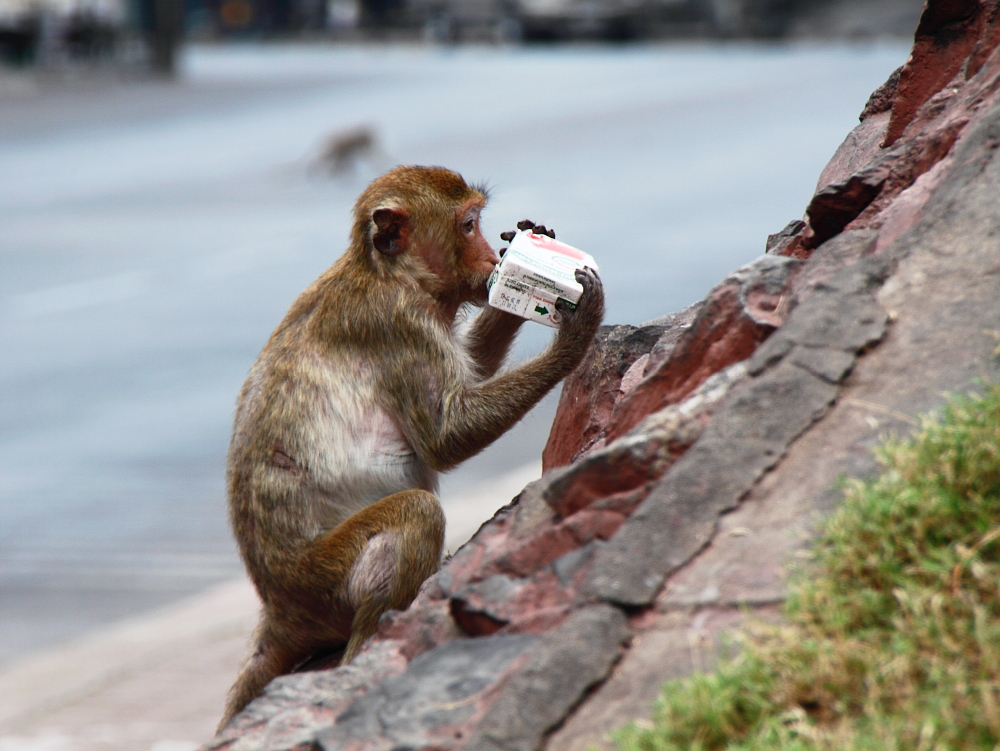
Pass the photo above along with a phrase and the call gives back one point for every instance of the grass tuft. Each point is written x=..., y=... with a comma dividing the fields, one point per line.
x=891, y=641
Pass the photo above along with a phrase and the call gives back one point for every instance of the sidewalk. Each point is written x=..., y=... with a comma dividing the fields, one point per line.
x=151, y=683
x=158, y=682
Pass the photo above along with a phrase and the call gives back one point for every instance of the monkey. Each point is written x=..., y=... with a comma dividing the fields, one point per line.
x=343, y=151
x=362, y=395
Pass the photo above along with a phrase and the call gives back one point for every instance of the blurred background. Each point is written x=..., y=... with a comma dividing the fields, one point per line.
x=149, y=32
x=174, y=172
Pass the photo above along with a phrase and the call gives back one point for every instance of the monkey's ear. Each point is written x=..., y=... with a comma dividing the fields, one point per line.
x=391, y=227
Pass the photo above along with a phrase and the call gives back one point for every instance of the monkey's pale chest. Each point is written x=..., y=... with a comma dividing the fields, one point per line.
x=359, y=454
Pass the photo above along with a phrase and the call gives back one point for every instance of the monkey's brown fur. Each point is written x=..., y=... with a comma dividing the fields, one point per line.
x=362, y=394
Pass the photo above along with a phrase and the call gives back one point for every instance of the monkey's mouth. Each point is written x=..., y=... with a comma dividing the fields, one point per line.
x=478, y=284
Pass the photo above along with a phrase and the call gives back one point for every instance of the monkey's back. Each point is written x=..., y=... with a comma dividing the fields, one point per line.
x=312, y=443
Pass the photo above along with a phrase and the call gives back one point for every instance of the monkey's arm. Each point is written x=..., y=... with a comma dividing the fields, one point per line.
x=448, y=420
x=490, y=338
x=469, y=417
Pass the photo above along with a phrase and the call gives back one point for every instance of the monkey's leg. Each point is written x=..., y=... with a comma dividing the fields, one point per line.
x=402, y=535
x=375, y=560
x=273, y=654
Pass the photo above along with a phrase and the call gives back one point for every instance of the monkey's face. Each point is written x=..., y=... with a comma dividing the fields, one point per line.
x=474, y=257
x=426, y=220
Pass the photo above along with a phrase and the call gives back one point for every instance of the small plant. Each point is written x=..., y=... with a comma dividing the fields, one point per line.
x=892, y=639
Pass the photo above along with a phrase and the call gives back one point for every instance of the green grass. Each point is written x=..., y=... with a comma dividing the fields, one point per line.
x=892, y=639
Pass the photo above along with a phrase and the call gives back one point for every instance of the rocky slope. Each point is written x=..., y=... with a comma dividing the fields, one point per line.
x=691, y=457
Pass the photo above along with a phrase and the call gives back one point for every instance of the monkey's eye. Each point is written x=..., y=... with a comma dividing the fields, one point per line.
x=469, y=225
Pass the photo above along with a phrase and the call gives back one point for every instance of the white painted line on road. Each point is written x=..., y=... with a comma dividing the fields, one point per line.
x=66, y=298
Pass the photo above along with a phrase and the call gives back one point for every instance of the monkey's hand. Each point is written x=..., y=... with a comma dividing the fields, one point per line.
x=538, y=229
x=578, y=327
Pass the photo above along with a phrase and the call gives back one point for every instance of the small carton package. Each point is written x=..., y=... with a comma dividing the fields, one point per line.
x=535, y=272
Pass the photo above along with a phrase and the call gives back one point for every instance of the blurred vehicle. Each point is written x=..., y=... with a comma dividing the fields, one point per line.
x=613, y=20
x=623, y=20
x=161, y=23
x=88, y=34
x=781, y=19
x=557, y=20
x=58, y=33
x=52, y=30
x=20, y=33
x=266, y=18
x=448, y=21
x=759, y=19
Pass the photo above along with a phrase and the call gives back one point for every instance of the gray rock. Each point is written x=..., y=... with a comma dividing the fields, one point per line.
x=745, y=438
x=436, y=692
x=829, y=364
x=554, y=677
x=778, y=241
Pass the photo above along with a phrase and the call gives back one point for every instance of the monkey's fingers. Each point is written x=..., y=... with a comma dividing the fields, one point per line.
x=508, y=235
x=585, y=276
x=590, y=281
x=538, y=229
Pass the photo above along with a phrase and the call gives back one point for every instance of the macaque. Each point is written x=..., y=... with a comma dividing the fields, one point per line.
x=342, y=151
x=364, y=392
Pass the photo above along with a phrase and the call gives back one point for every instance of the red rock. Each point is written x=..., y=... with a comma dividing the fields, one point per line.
x=497, y=602
x=736, y=317
x=607, y=472
x=923, y=152
x=591, y=391
x=473, y=622
x=464, y=564
x=948, y=32
x=420, y=628
x=590, y=524
x=859, y=149
x=676, y=325
x=778, y=242
x=538, y=622
x=907, y=209
x=527, y=557
x=624, y=503
x=989, y=41
x=720, y=335
x=837, y=205
x=882, y=98
x=632, y=376
x=537, y=552
x=855, y=202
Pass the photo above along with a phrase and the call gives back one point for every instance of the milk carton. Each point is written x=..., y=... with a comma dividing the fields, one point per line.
x=535, y=272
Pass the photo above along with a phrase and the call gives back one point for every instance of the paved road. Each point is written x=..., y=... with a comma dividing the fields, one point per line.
x=152, y=235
